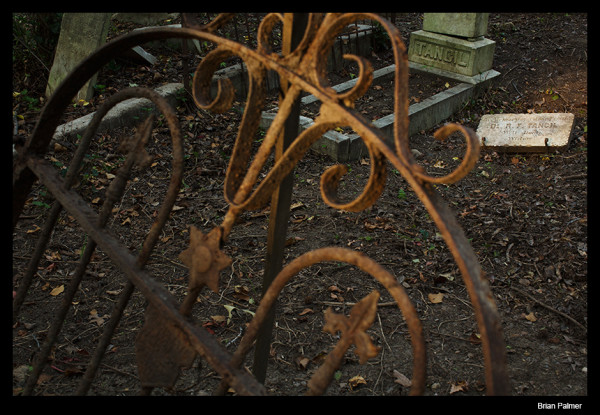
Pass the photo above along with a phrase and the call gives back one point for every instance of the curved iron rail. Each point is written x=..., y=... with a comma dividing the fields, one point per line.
x=169, y=336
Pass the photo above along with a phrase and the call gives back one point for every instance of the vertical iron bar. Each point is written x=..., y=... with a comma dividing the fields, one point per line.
x=59, y=318
x=186, y=57
x=356, y=45
x=32, y=267
x=243, y=78
x=113, y=194
x=249, y=41
x=109, y=329
x=293, y=30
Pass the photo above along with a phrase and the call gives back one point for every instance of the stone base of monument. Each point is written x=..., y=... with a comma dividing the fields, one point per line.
x=525, y=132
x=450, y=53
x=478, y=79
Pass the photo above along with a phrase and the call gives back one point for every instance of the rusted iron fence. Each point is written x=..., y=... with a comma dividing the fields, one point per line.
x=242, y=28
x=170, y=338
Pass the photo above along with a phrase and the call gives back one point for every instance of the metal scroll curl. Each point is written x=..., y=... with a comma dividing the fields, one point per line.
x=303, y=69
x=307, y=73
x=323, y=377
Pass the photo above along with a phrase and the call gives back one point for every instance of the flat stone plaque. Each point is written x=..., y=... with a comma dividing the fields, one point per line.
x=525, y=132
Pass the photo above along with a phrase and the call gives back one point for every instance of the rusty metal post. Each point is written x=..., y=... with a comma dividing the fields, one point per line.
x=170, y=338
x=293, y=29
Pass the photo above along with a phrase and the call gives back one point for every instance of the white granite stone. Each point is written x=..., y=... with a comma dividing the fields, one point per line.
x=525, y=132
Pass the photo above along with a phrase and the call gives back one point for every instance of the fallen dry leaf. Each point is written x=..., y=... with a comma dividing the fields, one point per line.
x=54, y=256
x=370, y=226
x=531, y=317
x=302, y=362
x=475, y=338
x=99, y=320
x=461, y=386
x=59, y=147
x=20, y=373
x=401, y=379
x=113, y=292
x=293, y=240
x=241, y=292
x=219, y=319
x=336, y=297
x=436, y=298
x=57, y=290
x=357, y=380
x=35, y=229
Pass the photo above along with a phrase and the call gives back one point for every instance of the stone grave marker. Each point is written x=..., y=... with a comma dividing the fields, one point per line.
x=472, y=26
x=525, y=132
x=146, y=19
x=80, y=35
x=453, y=42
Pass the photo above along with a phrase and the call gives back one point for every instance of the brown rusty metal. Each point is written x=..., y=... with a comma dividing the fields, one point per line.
x=352, y=331
x=364, y=263
x=205, y=259
x=161, y=351
x=157, y=295
x=113, y=194
x=170, y=338
x=294, y=26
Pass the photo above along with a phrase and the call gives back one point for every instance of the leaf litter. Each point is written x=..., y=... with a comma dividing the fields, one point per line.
x=497, y=212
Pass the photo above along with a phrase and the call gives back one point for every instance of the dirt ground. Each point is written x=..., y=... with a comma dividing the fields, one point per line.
x=524, y=214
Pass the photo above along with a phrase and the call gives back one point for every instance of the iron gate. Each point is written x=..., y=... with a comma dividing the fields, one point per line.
x=170, y=338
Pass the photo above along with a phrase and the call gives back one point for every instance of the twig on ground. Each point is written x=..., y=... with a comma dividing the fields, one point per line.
x=560, y=313
x=114, y=369
x=339, y=303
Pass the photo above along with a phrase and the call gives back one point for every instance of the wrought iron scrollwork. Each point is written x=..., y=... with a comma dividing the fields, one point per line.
x=303, y=70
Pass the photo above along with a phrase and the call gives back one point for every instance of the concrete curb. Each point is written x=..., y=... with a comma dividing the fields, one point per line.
x=422, y=115
x=340, y=147
x=120, y=115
